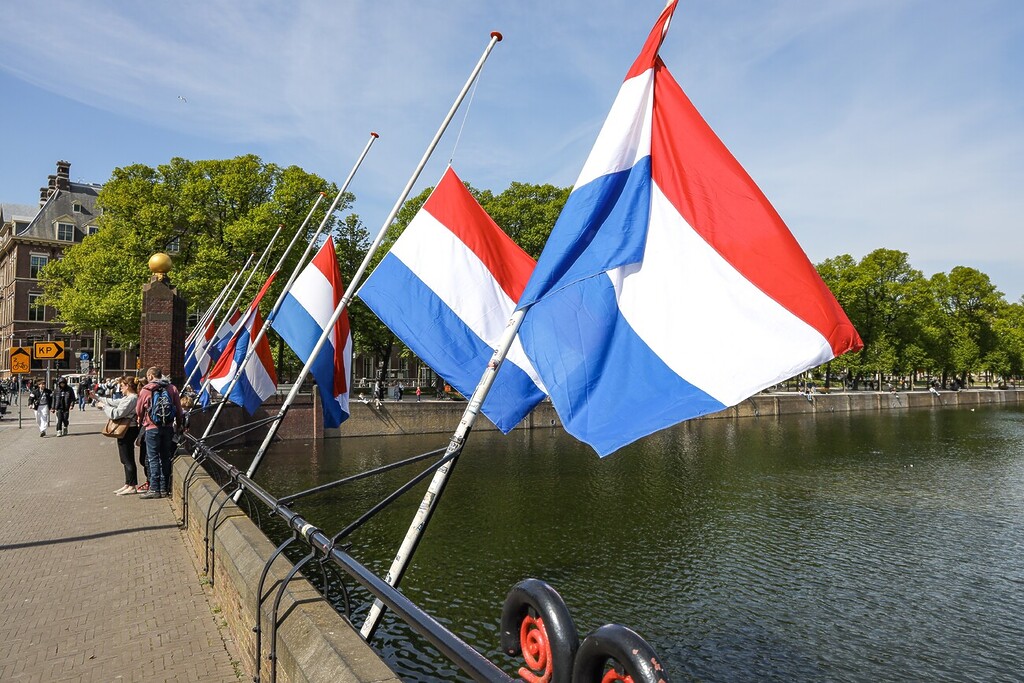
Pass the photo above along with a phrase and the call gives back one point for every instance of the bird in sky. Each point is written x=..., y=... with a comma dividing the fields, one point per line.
x=182, y=98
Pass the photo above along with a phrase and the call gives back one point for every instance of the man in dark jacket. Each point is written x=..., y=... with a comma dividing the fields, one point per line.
x=160, y=415
x=63, y=402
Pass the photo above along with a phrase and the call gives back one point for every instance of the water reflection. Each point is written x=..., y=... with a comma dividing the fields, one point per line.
x=848, y=547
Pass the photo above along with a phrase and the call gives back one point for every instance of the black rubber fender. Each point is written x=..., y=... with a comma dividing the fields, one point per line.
x=534, y=595
x=625, y=646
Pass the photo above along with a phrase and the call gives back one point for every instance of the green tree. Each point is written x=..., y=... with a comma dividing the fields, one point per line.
x=526, y=212
x=882, y=295
x=960, y=329
x=214, y=212
x=1008, y=326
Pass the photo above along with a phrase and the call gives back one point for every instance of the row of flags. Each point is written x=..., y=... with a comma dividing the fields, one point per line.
x=669, y=288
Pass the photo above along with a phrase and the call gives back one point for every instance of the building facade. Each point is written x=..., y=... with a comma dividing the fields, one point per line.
x=30, y=237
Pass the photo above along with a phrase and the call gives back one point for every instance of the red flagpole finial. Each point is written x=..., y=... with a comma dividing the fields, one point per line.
x=496, y=34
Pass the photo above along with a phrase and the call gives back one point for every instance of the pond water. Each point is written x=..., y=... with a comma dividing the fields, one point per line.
x=847, y=547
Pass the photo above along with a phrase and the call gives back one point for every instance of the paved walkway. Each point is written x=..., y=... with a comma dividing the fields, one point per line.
x=94, y=587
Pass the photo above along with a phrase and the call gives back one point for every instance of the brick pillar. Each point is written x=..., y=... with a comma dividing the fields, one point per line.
x=163, y=329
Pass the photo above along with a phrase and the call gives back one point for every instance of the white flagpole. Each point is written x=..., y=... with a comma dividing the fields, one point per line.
x=266, y=250
x=437, y=484
x=209, y=309
x=291, y=280
x=238, y=276
x=354, y=282
x=205, y=319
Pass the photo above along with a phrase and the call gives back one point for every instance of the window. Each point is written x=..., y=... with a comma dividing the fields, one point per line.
x=112, y=360
x=76, y=207
x=66, y=232
x=91, y=229
x=36, y=310
x=174, y=246
x=36, y=263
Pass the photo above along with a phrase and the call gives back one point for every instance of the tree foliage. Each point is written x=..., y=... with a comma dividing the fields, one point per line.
x=215, y=212
x=951, y=324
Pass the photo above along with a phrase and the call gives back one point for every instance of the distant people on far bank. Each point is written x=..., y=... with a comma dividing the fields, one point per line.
x=63, y=401
x=119, y=408
x=40, y=399
x=160, y=416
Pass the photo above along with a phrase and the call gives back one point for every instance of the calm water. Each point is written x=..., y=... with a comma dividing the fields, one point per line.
x=851, y=547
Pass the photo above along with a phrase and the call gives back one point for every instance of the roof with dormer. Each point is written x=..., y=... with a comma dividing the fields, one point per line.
x=60, y=208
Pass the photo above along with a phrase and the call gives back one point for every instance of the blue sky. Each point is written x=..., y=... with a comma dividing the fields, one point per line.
x=868, y=123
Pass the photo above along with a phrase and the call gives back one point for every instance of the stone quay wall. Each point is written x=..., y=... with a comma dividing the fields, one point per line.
x=314, y=643
x=304, y=419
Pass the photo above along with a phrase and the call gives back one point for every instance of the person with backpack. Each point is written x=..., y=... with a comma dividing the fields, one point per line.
x=159, y=411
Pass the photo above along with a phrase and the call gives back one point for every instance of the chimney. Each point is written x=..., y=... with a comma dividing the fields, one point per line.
x=44, y=194
x=63, y=175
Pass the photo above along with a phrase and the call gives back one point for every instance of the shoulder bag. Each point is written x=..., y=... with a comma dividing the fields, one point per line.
x=115, y=429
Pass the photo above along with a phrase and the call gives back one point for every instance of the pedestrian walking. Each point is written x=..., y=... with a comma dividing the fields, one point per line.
x=160, y=415
x=63, y=401
x=40, y=400
x=84, y=385
x=418, y=393
x=119, y=408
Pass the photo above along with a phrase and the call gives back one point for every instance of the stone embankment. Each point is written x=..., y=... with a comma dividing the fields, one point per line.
x=433, y=417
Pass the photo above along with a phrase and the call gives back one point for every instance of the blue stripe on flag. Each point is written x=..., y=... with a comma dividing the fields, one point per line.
x=301, y=332
x=579, y=248
x=438, y=336
x=593, y=363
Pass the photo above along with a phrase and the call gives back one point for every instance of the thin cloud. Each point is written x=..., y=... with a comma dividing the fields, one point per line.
x=868, y=123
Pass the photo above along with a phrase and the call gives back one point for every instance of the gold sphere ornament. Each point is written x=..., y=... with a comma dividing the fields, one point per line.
x=160, y=264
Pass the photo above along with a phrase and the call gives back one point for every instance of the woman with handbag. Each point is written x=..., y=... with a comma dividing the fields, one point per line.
x=124, y=426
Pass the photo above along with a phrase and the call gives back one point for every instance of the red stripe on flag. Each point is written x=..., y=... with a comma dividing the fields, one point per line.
x=720, y=201
x=456, y=209
x=326, y=261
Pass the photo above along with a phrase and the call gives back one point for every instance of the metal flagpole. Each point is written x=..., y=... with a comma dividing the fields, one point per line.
x=329, y=328
x=238, y=276
x=205, y=317
x=210, y=312
x=206, y=384
x=251, y=351
x=437, y=484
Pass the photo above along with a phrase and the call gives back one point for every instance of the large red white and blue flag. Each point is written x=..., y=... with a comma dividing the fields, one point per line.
x=258, y=380
x=670, y=287
x=304, y=315
x=447, y=289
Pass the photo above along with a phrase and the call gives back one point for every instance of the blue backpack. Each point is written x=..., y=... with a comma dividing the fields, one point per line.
x=161, y=410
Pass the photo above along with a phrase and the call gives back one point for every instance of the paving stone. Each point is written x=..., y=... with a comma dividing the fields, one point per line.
x=94, y=587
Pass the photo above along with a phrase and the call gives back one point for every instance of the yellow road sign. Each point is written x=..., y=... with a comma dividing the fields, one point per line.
x=21, y=360
x=48, y=350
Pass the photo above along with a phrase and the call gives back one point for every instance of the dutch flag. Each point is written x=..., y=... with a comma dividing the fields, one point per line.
x=447, y=289
x=301, y=320
x=258, y=381
x=670, y=287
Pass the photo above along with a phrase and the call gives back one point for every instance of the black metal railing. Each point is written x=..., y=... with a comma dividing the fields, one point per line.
x=535, y=623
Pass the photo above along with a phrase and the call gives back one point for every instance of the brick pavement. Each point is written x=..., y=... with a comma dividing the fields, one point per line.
x=95, y=587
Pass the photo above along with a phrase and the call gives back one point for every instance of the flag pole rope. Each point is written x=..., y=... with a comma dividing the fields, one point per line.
x=465, y=117
x=355, y=281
